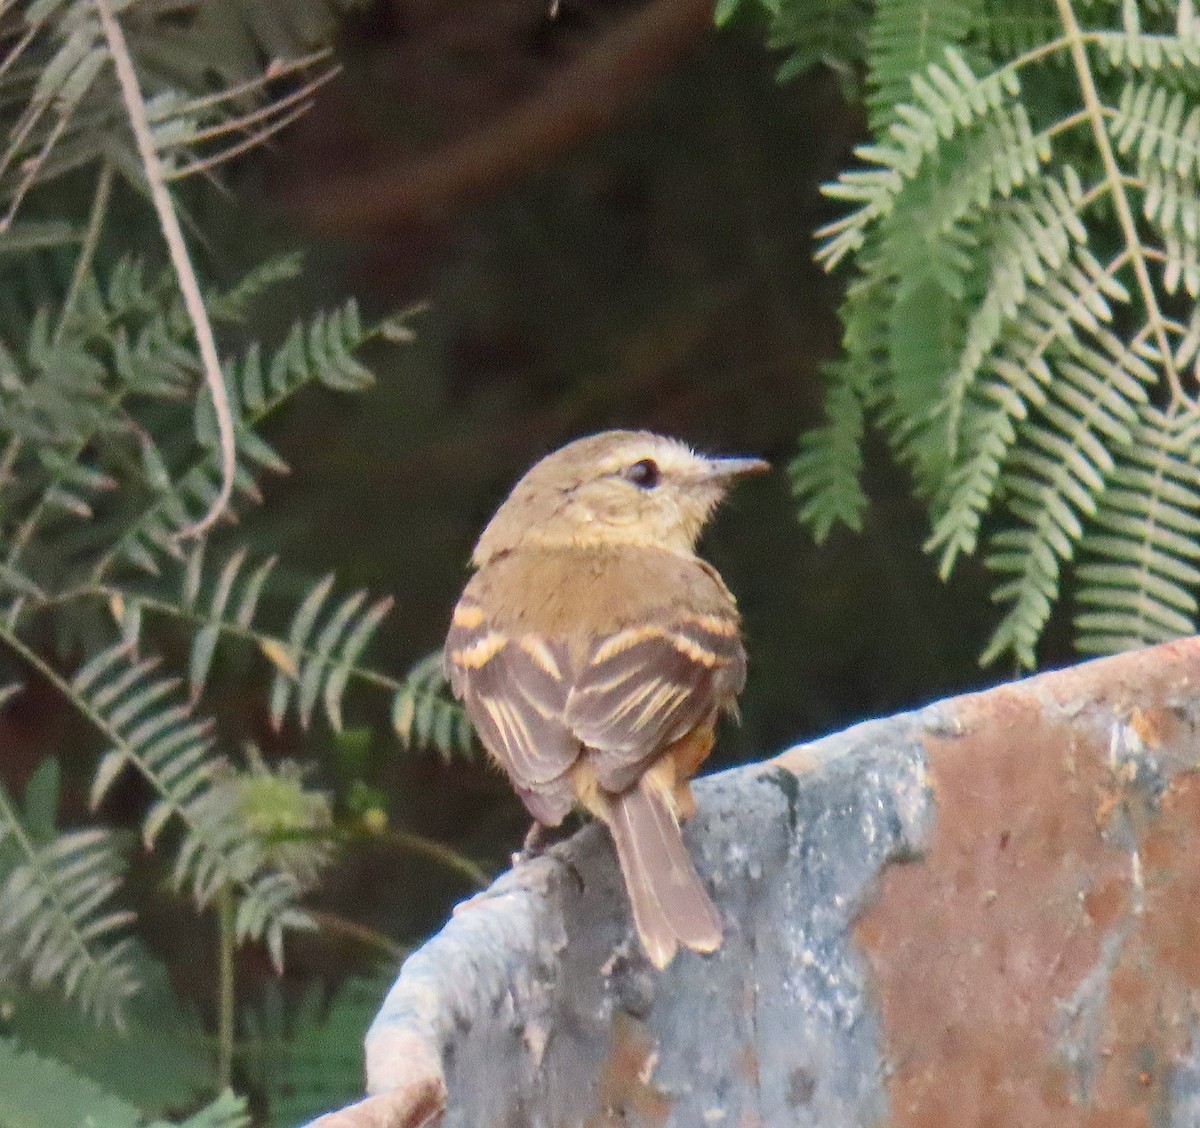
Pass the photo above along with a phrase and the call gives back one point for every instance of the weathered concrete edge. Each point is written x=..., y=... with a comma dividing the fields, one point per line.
x=493, y=935
x=496, y=933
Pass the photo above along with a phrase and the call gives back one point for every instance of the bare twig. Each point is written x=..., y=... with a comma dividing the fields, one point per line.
x=204, y=164
x=32, y=167
x=135, y=107
x=87, y=250
x=226, y=991
x=15, y=52
x=275, y=71
x=360, y=933
x=270, y=110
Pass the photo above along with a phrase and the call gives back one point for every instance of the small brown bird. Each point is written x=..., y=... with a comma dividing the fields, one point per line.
x=594, y=651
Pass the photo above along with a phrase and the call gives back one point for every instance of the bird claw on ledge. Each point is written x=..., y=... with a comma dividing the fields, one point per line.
x=538, y=839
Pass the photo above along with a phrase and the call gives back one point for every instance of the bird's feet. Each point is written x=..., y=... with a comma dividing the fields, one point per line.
x=538, y=839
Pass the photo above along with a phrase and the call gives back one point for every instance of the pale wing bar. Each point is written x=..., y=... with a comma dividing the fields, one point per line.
x=648, y=686
x=516, y=692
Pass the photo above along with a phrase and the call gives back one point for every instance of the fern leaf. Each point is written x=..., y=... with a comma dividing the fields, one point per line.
x=423, y=713
x=1051, y=323
x=323, y=658
x=56, y=923
x=1010, y=28
x=234, y=304
x=1053, y=479
x=829, y=33
x=827, y=473
x=947, y=100
x=1134, y=49
x=1141, y=561
x=906, y=37
x=1033, y=240
x=269, y=832
x=302, y=626
x=318, y=352
x=313, y=664
x=1067, y=226
x=349, y=651
x=204, y=644
x=147, y=728
x=150, y=730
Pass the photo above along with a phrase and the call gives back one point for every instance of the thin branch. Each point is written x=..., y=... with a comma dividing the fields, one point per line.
x=203, y=164
x=243, y=123
x=273, y=72
x=360, y=933
x=235, y=630
x=135, y=107
x=32, y=167
x=1068, y=123
x=438, y=852
x=1101, y=188
x=87, y=252
x=1112, y=171
x=24, y=126
x=407, y=840
x=8, y=460
x=226, y=996
x=15, y=53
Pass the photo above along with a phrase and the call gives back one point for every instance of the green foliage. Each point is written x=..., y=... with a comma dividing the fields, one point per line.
x=1138, y=570
x=57, y=921
x=424, y=714
x=811, y=33
x=1021, y=323
x=158, y=1061
x=111, y=466
x=322, y=648
x=38, y=1092
x=306, y=1057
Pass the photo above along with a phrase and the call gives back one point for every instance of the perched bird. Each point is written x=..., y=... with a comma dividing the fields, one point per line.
x=595, y=651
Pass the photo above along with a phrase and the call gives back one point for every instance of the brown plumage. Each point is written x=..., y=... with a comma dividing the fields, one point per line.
x=594, y=652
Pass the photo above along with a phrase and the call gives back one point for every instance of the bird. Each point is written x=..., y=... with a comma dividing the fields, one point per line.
x=594, y=652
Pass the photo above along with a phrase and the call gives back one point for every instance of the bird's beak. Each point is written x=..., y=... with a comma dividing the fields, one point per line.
x=724, y=468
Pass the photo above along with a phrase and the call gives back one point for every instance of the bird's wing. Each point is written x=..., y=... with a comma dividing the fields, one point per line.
x=646, y=686
x=515, y=688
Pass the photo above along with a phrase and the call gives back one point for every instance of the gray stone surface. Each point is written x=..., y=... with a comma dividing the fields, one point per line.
x=981, y=915
x=534, y=986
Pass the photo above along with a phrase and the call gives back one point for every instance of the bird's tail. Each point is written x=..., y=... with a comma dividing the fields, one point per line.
x=670, y=905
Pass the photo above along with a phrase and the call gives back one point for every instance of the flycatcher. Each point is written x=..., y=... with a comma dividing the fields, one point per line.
x=595, y=651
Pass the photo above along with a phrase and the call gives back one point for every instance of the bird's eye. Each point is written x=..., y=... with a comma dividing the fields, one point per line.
x=644, y=474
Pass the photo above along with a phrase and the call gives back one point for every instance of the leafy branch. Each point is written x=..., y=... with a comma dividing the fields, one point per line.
x=134, y=711
x=56, y=922
x=1022, y=320
x=313, y=663
x=135, y=107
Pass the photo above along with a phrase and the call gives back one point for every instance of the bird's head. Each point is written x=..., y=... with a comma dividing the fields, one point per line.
x=617, y=487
